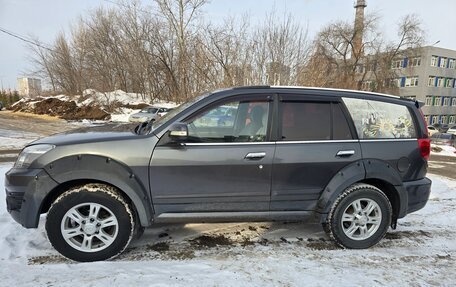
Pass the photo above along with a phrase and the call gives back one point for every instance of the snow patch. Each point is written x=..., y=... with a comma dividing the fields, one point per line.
x=123, y=115
x=90, y=105
x=10, y=139
x=443, y=150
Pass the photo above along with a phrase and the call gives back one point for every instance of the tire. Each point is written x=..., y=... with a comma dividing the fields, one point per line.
x=97, y=222
x=325, y=227
x=360, y=217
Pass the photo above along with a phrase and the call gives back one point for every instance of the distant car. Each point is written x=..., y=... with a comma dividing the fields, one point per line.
x=441, y=127
x=432, y=130
x=452, y=130
x=148, y=113
x=221, y=116
x=444, y=139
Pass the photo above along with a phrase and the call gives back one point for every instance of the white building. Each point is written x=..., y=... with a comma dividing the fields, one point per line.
x=29, y=87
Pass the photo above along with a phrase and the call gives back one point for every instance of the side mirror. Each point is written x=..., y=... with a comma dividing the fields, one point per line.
x=178, y=132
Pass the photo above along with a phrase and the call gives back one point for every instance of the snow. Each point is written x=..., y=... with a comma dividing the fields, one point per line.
x=444, y=150
x=109, y=97
x=123, y=115
x=105, y=100
x=120, y=97
x=420, y=252
x=10, y=139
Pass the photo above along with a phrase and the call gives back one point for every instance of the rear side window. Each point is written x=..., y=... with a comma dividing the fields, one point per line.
x=304, y=121
x=341, y=129
x=380, y=120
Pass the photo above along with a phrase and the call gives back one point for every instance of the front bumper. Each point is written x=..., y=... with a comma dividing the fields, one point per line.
x=25, y=191
x=418, y=192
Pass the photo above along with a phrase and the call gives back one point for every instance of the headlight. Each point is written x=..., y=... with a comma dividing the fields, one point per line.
x=31, y=153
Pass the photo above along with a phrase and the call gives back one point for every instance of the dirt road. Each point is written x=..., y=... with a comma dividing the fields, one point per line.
x=443, y=165
x=17, y=129
x=42, y=125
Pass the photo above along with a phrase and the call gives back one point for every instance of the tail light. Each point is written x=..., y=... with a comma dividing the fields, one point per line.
x=425, y=148
x=424, y=143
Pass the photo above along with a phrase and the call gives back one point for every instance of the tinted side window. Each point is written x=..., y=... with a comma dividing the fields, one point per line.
x=380, y=120
x=306, y=121
x=341, y=129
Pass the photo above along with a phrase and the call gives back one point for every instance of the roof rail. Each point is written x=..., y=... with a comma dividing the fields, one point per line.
x=252, y=87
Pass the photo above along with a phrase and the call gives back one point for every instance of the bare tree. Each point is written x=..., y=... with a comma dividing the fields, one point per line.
x=166, y=51
x=280, y=47
x=180, y=16
x=333, y=63
x=40, y=59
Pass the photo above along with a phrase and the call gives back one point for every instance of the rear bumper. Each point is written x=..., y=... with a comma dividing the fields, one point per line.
x=25, y=192
x=418, y=192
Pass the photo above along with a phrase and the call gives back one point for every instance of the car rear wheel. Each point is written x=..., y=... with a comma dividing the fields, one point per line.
x=90, y=223
x=360, y=217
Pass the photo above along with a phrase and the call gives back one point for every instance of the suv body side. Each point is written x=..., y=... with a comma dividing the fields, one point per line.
x=306, y=175
x=217, y=182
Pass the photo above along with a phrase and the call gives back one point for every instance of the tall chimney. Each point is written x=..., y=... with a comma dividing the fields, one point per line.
x=359, y=26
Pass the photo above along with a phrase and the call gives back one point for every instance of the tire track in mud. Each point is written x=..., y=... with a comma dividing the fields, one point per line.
x=224, y=246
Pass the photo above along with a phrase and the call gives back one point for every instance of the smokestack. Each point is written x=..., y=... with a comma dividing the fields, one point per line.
x=359, y=26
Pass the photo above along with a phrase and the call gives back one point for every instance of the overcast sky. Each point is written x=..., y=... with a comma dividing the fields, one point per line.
x=45, y=18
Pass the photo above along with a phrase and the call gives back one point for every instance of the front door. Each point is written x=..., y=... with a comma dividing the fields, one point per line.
x=225, y=165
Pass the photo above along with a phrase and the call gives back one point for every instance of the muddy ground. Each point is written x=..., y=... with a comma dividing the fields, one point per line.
x=231, y=240
x=42, y=125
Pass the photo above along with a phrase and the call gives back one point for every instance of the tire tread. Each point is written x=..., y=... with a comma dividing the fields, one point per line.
x=351, y=189
x=108, y=190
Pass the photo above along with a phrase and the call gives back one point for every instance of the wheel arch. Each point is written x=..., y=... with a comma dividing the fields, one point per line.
x=373, y=172
x=83, y=169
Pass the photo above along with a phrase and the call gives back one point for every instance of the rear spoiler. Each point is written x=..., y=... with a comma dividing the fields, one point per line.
x=419, y=104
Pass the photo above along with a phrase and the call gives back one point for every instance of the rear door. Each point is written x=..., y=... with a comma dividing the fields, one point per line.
x=224, y=166
x=315, y=141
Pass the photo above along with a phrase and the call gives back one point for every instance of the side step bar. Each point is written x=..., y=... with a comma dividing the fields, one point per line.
x=193, y=217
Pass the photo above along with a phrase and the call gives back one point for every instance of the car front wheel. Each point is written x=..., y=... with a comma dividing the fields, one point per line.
x=90, y=223
x=360, y=217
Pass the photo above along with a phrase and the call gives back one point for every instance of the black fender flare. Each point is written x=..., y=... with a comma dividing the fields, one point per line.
x=348, y=175
x=104, y=169
x=382, y=170
x=358, y=171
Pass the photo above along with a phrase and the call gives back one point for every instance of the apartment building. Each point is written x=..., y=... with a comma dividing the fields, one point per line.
x=430, y=77
x=29, y=87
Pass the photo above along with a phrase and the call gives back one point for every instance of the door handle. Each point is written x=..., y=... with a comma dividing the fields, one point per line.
x=345, y=153
x=255, y=155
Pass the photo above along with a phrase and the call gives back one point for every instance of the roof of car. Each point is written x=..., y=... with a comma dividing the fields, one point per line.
x=313, y=88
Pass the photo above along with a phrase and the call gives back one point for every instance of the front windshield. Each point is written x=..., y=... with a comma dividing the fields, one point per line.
x=177, y=110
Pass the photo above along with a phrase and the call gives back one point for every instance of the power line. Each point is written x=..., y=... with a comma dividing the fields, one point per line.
x=23, y=38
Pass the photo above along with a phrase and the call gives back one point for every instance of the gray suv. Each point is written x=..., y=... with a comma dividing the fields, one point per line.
x=354, y=162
